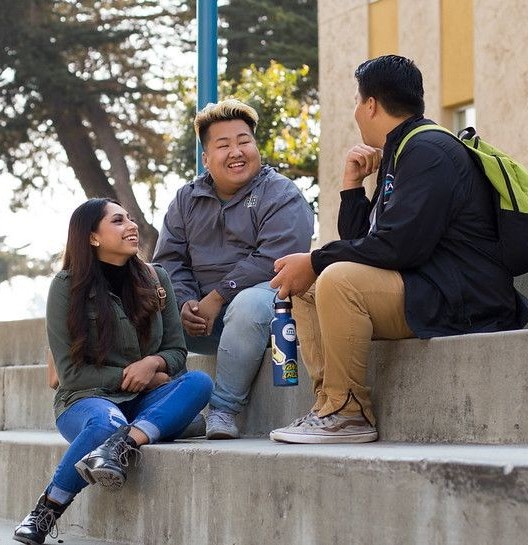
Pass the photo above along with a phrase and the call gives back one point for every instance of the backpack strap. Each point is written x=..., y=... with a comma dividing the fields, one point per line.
x=421, y=128
x=160, y=290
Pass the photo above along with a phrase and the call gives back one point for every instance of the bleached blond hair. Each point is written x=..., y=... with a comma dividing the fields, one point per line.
x=225, y=110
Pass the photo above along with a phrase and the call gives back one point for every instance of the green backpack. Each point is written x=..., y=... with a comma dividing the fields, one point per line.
x=510, y=181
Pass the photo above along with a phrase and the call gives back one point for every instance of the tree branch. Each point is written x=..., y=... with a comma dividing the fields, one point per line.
x=75, y=140
x=113, y=149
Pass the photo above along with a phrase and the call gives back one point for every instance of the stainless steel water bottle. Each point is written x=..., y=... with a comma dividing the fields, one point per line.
x=284, y=345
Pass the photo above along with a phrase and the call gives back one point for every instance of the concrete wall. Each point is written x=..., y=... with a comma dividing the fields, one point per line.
x=23, y=342
x=343, y=44
x=501, y=74
x=419, y=32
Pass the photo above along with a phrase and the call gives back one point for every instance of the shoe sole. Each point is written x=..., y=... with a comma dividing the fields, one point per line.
x=108, y=479
x=283, y=437
x=218, y=434
x=25, y=540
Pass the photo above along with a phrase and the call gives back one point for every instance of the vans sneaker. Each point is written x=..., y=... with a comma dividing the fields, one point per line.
x=220, y=425
x=334, y=428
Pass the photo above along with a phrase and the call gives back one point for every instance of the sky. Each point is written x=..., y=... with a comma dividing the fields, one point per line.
x=42, y=226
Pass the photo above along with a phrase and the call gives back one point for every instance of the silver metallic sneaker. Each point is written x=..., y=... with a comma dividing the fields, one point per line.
x=220, y=425
x=334, y=428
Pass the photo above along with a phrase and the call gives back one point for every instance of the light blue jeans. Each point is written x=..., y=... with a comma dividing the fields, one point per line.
x=239, y=339
x=160, y=414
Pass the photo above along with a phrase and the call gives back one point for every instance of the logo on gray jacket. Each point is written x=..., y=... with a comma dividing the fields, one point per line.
x=251, y=201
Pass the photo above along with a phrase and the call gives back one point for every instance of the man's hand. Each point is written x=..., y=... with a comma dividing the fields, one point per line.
x=139, y=374
x=193, y=323
x=209, y=308
x=158, y=379
x=360, y=161
x=294, y=275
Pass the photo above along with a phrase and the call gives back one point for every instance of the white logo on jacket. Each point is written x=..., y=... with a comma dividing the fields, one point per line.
x=251, y=201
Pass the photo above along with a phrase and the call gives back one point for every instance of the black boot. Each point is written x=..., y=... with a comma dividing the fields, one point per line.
x=40, y=522
x=107, y=464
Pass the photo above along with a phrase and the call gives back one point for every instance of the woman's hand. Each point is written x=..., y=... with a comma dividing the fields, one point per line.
x=138, y=375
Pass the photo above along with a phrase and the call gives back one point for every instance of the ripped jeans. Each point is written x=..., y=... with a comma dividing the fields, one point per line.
x=239, y=339
x=161, y=414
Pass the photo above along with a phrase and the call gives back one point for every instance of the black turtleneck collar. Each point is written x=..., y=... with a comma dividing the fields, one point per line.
x=115, y=276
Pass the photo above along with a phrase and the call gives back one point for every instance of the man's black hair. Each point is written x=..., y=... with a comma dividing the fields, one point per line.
x=396, y=82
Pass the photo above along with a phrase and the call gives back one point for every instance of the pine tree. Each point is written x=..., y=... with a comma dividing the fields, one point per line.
x=82, y=78
x=259, y=31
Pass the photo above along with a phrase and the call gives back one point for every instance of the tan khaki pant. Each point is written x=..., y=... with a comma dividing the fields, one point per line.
x=348, y=306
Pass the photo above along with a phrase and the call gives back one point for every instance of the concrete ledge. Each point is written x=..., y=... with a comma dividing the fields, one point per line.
x=27, y=400
x=470, y=388
x=467, y=389
x=2, y=400
x=251, y=492
x=23, y=342
x=7, y=527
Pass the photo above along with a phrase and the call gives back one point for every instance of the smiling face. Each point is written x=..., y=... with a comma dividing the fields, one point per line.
x=116, y=238
x=231, y=156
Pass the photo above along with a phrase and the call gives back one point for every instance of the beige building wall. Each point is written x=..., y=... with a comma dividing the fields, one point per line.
x=488, y=65
x=501, y=74
x=420, y=39
x=343, y=44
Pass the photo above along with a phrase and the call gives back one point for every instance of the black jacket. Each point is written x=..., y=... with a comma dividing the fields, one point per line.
x=434, y=222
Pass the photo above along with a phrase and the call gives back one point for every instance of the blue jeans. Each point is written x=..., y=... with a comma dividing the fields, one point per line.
x=162, y=413
x=239, y=339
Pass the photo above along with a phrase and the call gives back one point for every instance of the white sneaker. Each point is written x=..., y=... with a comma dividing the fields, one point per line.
x=334, y=428
x=220, y=425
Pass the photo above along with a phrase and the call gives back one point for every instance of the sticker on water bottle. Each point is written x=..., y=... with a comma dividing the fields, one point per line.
x=289, y=371
x=288, y=332
x=284, y=368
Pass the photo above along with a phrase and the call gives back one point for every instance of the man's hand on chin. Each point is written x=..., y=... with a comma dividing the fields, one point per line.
x=294, y=275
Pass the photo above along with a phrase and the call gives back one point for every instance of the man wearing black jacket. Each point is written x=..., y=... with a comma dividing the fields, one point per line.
x=420, y=260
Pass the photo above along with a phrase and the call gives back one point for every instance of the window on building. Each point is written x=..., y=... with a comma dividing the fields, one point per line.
x=463, y=117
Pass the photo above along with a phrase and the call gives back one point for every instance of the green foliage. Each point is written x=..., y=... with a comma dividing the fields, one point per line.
x=288, y=130
x=259, y=31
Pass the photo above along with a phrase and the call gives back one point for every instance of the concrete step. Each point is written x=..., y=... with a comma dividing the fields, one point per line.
x=33, y=409
x=254, y=491
x=465, y=389
x=27, y=401
x=23, y=342
x=468, y=388
x=7, y=527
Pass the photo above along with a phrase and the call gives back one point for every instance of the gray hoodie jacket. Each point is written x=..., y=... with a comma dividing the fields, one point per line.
x=205, y=244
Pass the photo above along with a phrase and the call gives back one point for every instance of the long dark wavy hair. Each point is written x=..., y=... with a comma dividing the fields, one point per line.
x=80, y=260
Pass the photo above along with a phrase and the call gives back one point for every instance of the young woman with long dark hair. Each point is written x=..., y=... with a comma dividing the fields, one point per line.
x=120, y=357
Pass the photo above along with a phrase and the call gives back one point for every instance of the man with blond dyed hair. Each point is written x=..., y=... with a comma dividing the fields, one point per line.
x=219, y=240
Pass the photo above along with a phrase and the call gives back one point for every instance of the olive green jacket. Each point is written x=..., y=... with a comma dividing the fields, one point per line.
x=80, y=381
